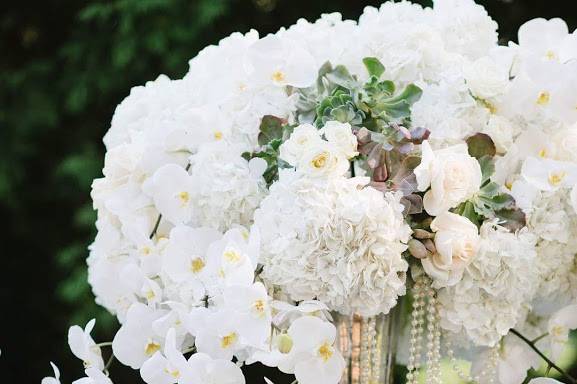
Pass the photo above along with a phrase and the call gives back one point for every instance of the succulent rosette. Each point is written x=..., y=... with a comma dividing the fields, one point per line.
x=342, y=166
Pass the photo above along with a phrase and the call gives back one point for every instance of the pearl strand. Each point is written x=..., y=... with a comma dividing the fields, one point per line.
x=416, y=332
x=375, y=353
x=433, y=350
x=365, y=353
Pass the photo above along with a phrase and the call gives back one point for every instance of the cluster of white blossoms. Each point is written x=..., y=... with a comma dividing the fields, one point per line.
x=339, y=166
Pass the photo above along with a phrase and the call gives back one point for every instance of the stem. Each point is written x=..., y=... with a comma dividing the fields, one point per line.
x=109, y=362
x=105, y=344
x=535, y=340
x=155, y=227
x=352, y=168
x=542, y=355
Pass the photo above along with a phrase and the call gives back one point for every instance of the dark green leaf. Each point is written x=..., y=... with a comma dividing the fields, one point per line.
x=271, y=128
x=481, y=145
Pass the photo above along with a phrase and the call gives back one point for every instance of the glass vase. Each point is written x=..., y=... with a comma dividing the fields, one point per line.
x=368, y=345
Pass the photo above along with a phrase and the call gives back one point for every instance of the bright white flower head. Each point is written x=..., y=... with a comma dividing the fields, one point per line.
x=136, y=341
x=313, y=357
x=496, y=289
x=342, y=240
x=55, y=379
x=172, y=189
x=93, y=376
x=83, y=346
x=456, y=243
x=342, y=137
x=560, y=323
x=452, y=174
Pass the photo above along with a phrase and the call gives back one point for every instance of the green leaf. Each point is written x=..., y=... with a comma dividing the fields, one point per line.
x=271, y=128
x=490, y=190
x=374, y=66
x=481, y=145
x=341, y=76
x=487, y=168
x=411, y=94
x=467, y=209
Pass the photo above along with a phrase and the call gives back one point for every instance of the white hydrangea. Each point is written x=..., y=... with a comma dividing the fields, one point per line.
x=338, y=241
x=227, y=188
x=496, y=289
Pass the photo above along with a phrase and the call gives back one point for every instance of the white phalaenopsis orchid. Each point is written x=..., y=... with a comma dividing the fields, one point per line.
x=172, y=188
x=313, y=357
x=93, y=376
x=560, y=323
x=54, y=379
x=83, y=346
x=136, y=341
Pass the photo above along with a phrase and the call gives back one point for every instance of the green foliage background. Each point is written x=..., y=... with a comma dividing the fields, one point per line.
x=64, y=66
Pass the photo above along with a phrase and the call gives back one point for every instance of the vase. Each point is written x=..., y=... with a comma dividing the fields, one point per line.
x=368, y=346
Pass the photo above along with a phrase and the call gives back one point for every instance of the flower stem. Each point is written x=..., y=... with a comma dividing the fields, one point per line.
x=542, y=355
x=105, y=344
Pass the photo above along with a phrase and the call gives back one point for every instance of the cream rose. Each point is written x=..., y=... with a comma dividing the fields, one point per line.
x=341, y=135
x=323, y=159
x=485, y=78
x=453, y=175
x=456, y=242
x=565, y=144
x=302, y=137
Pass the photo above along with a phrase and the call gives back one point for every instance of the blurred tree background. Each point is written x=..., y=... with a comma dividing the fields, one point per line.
x=64, y=66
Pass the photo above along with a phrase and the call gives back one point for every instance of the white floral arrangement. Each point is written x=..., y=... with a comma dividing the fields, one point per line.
x=343, y=167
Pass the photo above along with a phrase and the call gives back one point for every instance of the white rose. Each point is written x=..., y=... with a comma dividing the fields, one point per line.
x=323, y=159
x=302, y=137
x=453, y=175
x=485, y=78
x=457, y=243
x=565, y=144
x=501, y=131
x=341, y=135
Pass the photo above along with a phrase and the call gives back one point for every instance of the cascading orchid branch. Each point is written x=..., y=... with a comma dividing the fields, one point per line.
x=343, y=167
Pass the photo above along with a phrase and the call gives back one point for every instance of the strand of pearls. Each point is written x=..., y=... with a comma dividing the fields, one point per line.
x=433, y=337
x=488, y=374
x=417, y=321
x=375, y=353
x=365, y=352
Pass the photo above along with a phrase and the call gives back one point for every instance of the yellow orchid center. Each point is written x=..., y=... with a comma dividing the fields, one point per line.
x=550, y=55
x=543, y=153
x=151, y=348
x=231, y=256
x=174, y=372
x=259, y=306
x=543, y=98
x=150, y=294
x=228, y=340
x=218, y=135
x=556, y=178
x=184, y=197
x=197, y=265
x=278, y=76
x=320, y=160
x=145, y=251
x=325, y=351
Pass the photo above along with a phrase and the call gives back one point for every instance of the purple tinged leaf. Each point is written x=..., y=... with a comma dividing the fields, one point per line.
x=481, y=144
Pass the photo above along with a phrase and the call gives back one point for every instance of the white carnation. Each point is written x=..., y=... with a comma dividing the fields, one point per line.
x=338, y=241
x=496, y=288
